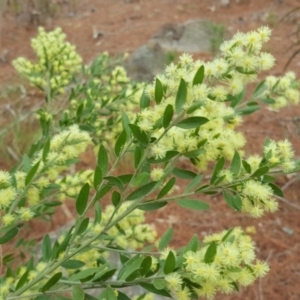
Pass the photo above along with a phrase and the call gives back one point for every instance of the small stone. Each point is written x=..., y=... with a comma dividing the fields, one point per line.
x=288, y=230
x=225, y=3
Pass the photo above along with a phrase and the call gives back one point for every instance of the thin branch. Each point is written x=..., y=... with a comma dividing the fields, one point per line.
x=289, y=183
x=287, y=202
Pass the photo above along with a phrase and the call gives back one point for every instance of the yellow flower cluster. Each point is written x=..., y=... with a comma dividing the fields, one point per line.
x=233, y=264
x=219, y=131
x=257, y=198
x=282, y=90
x=278, y=154
x=131, y=231
x=239, y=63
x=110, y=86
x=64, y=149
x=7, y=192
x=57, y=61
x=70, y=185
x=65, y=146
x=106, y=90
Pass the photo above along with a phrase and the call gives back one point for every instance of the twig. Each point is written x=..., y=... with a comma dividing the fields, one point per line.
x=287, y=202
x=289, y=183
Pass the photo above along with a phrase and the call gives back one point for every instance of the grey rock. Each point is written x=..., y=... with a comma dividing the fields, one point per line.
x=288, y=230
x=196, y=36
x=146, y=62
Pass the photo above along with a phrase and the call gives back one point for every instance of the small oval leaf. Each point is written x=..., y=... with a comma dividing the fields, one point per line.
x=82, y=199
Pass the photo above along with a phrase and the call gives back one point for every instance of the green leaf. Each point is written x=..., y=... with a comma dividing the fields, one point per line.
x=115, y=198
x=110, y=294
x=126, y=178
x=125, y=123
x=194, y=106
x=144, y=100
x=181, y=96
x=152, y=205
x=194, y=153
x=22, y=280
x=46, y=150
x=166, y=189
x=98, y=213
x=31, y=173
x=82, y=199
x=52, y=203
x=243, y=71
x=193, y=204
x=142, y=191
x=79, y=111
x=120, y=142
x=83, y=226
x=168, y=115
x=46, y=248
x=90, y=297
x=199, y=76
x=9, y=235
x=159, y=92
x=236, y=163
x=261, y=171
x=246, y=166
x=73, y=264
x=217, y=169
x=184, y=174
x=51, y=282
x=97, y=177
x=268, y=179
x=140, y=135
x=105, y=274
x=193, y=184
x=234, y=202
x=130, y=267
x=122, y=296
x=114, y=181
x=103, y=191
x=210, y=253
x=193, y=244
x=165, y=239
x=170, y=263
x=159, y=284
x=63, y=245
x=103, y=160
x=138, y=153
x=237, y=202
x=268, y=100
x=77, y=293
x=123, y=258
x=276, y=190
x=150, y=287
x=81, y=275
x=192, y=122
x=260, y=88
x=227, y=234
x=235, y=100
x=141, y=179
x=248, y=110
x=146, y=265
